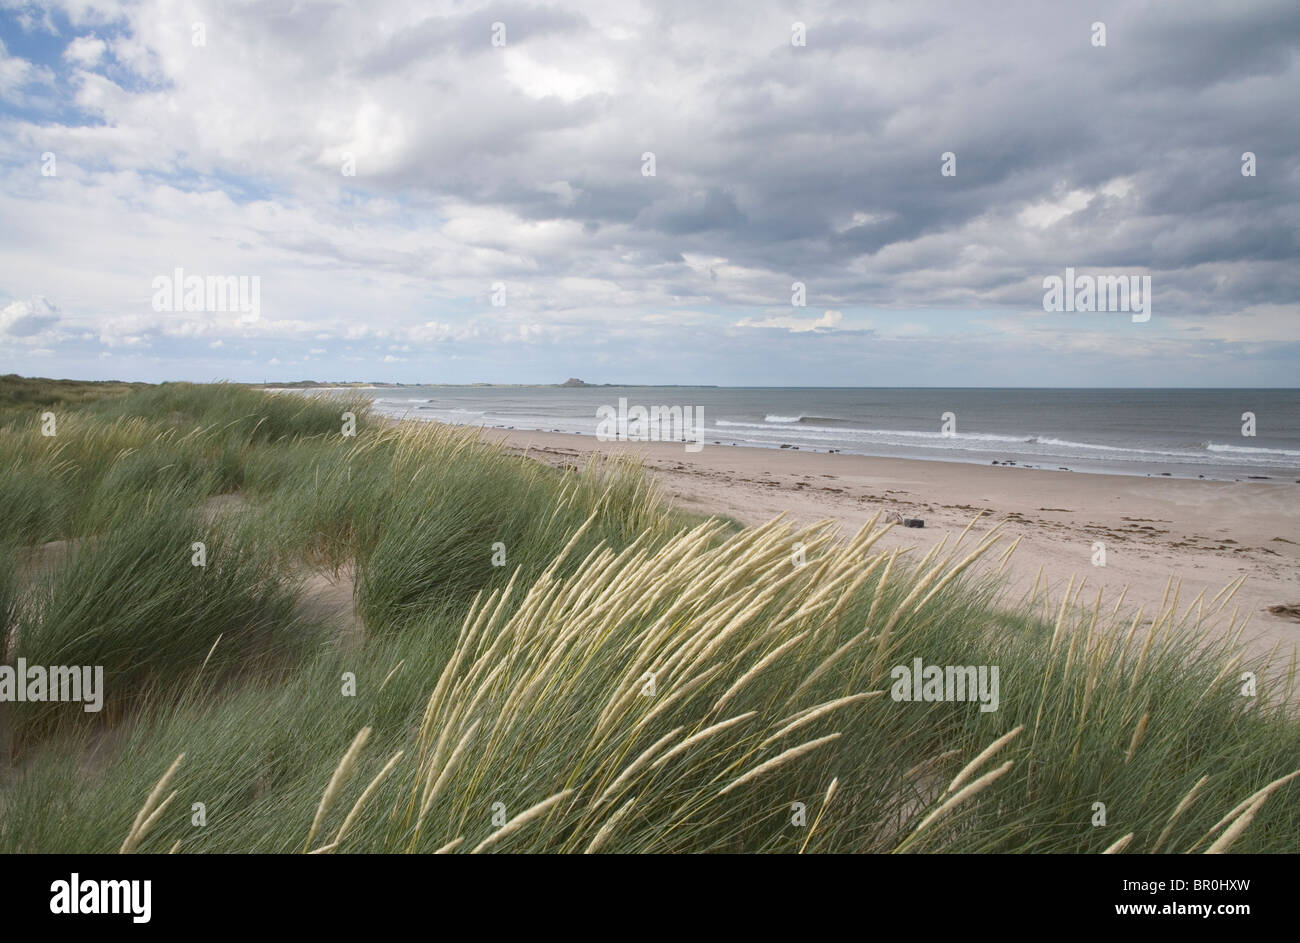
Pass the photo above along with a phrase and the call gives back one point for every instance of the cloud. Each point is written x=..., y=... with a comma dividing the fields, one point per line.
x=29, y=318
x=16, y=73
x=829, y=321
x=522, y=165
x=85, y=51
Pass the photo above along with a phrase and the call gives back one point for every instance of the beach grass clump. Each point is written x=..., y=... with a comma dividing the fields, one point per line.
x=20, y=397
x=10, y=595
x=258, y=752
x=465, y=516
x=35, y=502
x=430, y=514
x=330, y=496
x=253, y=415
x=159, y=593
x=121, y=447
x=677, y=711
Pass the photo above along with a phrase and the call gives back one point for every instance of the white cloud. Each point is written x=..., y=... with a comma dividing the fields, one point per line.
x=829, y=321
x=85, y=51
x=28, y=318
x=568, y=81
x=15, y=73
x=1046, y=212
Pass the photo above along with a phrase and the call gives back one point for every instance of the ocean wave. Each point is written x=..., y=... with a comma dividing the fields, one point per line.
x=903, y=433
x=1248, y=450
x=1045, y=447
x=1070, y=444
x=803, y=418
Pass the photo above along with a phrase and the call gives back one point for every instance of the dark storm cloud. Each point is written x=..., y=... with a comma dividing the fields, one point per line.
x=765, y=157
x=1193, y=46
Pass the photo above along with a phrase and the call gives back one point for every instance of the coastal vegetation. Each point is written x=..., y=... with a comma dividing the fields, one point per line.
x=532, y=659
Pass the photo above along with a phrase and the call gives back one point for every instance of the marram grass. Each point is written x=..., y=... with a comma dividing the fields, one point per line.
x=627, y=680
x=555, y=696
x=542, y=717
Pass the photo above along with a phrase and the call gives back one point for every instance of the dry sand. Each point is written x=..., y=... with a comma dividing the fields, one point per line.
x=1205, y=534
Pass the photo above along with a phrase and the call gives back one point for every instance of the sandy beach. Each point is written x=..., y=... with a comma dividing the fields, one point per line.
x=1205, y=534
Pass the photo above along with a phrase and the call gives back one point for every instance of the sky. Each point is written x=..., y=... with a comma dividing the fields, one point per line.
x=461, y=192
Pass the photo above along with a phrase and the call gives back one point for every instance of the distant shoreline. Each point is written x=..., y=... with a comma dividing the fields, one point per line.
x=1199, y=436
x=937, y=460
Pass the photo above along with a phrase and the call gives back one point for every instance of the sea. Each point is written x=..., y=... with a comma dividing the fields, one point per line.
x=1179, y=433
